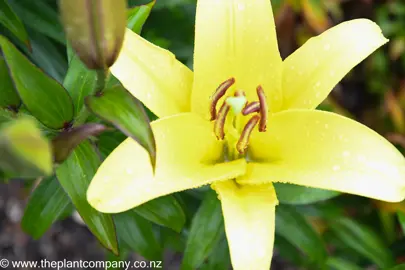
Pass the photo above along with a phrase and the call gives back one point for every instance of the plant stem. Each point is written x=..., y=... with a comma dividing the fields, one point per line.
x=101, y=80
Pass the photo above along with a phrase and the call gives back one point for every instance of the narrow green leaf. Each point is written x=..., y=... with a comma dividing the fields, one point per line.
x=8, y=96
x=6, y=116
x=398, y=267
x=46, y=204
x=172, y=240
x=41, y=17
x=47, y=56
x=118, y=107
x=341, y=264
x=74, y=176
x=401, y=218
x=114, y=262
x=289, y=252
x=80, y=82
x=25, y=153
x=108, y=141
x=45, y=98
x=220, y=258
x=165, y=211
x=64, y=143
x=206, y=230
x=137, y=16
x=294, y=194
x=136, y=232
x=363, y=240
x=11, y=21
x=291, y=225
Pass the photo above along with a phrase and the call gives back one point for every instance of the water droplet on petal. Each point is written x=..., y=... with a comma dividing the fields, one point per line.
x=241, y=6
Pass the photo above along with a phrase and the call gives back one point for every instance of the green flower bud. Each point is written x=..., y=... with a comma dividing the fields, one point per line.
x=96, y=29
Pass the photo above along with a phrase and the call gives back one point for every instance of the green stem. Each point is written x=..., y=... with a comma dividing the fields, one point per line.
x=102, y=75
x=101, y=81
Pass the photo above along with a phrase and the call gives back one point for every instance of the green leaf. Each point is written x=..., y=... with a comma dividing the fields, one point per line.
x=108, y=141
x=11, y=21
x=8, y=96
x=137, y=16
x=137, y=233
x=6, y=116
x=341, y=264
x=116, y=262
x=64, y=143
x=206, y=230
x=401, y=218
x=289, y=252
x=363, y=240
x=172, y=240
x=220, y=258
x=291, y=225
x=25, y=153
x=294, y=194
x=45, y=98
x=74, y=176
x=46, y=204
x=80, y=82
x=118, y=107
x=39, y=16
x=165, y=211
x=398, y=267
x=47, y=56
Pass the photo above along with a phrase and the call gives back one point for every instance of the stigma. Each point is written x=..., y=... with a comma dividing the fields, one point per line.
x=256, y=110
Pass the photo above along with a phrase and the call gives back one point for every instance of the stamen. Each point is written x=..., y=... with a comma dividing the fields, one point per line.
x=239, y=93
x=263, y=109
x=243, y=142
x=251, y=107
x=220, y=92
x=220, y=122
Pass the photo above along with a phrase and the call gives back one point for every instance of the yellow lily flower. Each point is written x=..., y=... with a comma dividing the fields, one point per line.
x=236, y=60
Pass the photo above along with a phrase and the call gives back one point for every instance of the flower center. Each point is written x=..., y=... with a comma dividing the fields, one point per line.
x=256, y=110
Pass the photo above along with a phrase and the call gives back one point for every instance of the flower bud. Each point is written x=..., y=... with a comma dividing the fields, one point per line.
x=96, y=29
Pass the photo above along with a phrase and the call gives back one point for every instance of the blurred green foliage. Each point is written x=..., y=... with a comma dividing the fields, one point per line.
x=315, y=229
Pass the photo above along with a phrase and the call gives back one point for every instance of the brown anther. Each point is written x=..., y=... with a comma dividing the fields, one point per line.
x=243, y=141
x=240, y=93
x=219, y=93
x=263, y=109
x=220, y=121
x=251, y=107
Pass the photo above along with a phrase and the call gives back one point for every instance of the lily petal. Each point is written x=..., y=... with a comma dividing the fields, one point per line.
x=325, y=150
x=249, y=214
x=235, y=38
x=310, y=73
x=154, y=76
x=187, y=157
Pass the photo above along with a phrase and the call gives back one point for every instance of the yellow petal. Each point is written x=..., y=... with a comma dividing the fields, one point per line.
x=154, y=76
x=187, y=155
x=310, y=73
x=249, y=213
x=235, y=38
x=325, y=150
